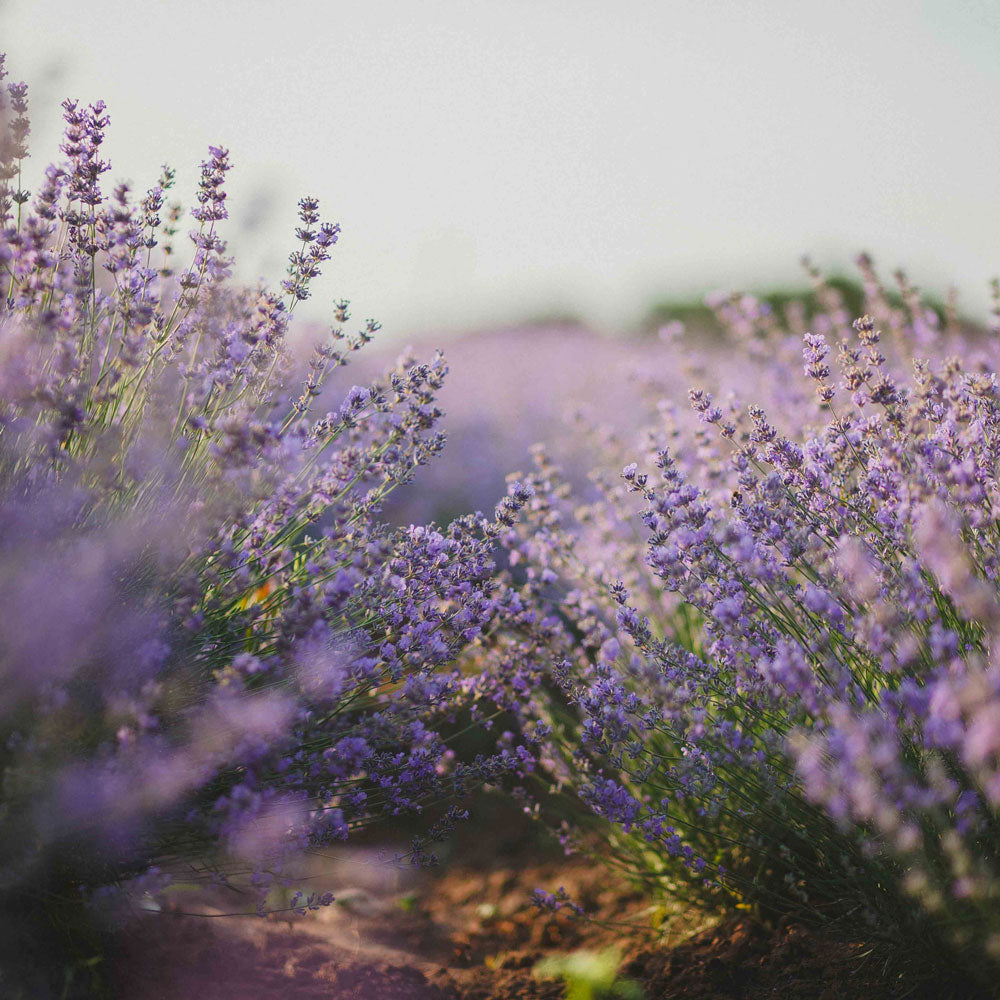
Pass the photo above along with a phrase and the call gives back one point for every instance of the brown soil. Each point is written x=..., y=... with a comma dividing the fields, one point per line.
x=469, y=933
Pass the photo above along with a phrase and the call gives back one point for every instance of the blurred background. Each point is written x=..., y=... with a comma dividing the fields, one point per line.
x=519, y=179
x=509, y=160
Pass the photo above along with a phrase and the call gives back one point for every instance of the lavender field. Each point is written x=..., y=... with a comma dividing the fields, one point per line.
x=553, y=663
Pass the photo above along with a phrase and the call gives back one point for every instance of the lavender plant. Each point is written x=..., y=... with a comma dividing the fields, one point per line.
x=780, y=693
x=214, y=654
x=762, y=657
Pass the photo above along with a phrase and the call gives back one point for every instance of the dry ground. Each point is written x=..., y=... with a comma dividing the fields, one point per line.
x=469, y=932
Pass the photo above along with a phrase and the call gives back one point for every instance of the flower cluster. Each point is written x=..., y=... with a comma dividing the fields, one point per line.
x=215, y=654
x=785, y=690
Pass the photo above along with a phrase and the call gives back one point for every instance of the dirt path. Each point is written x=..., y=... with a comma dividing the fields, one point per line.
x=392, y=933
x=468, y=931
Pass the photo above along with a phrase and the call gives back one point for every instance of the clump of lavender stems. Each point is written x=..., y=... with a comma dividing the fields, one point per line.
x=215, y=655
x=781, y=693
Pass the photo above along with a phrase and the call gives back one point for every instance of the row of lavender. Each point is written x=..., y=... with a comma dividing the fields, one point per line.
x=214, y=653
x=755, y=666
x=786, y=681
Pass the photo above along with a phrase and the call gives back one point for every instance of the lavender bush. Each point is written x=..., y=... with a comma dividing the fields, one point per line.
x=214, y=654
x=781, y=691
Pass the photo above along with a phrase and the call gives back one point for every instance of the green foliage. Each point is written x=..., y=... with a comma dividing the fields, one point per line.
x=590, y=975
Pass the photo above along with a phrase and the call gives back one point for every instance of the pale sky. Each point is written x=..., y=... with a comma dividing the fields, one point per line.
x=490, y=161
